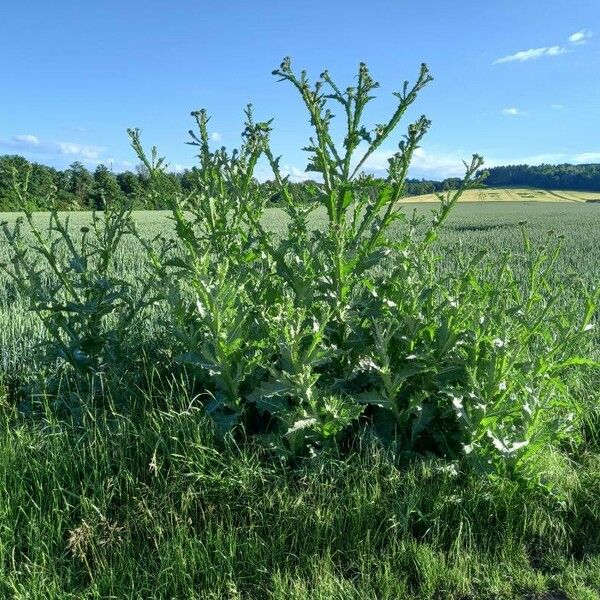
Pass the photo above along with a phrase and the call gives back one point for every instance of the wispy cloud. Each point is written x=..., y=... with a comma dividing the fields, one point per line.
x=424, y=163
x=513, y=112
x=263, y=172
x=216, y=136
x=531, y=54
x=557, y=106
x=586, y=157
x=27, y=139
x=296, y=174
x=31, y=144
x=444, y=165
x=437, y=165
x=441, y=165
x=580, y=37
x=80, y=150
x=576, y=39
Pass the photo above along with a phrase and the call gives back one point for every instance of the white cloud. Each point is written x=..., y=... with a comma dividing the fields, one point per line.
x=26, y=139
x=531, y=54
x=547, y=158
x=115, y=165
x=378, y=161
x=433, y=165
x=513, y=112
x=263, y=172
x=80, y=150
x=296, y=174
x=216, y=136
x=557, y=106
x=580, y=37
x=587, y=157
x=445, y=165
x=533, y=159
x=576, y=39
x=424, y=163
x=29, y=144
x=439, y=166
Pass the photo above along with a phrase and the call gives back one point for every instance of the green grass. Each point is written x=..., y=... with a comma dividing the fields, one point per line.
x=152, y=505
x=157, y=508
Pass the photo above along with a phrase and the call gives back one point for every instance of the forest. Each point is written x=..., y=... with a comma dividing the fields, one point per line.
x=78, y=188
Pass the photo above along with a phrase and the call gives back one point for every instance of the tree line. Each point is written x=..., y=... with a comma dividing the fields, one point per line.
x=557, y=177
x=77, y=188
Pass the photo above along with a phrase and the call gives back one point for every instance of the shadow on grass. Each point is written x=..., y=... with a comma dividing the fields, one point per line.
x=481, y=227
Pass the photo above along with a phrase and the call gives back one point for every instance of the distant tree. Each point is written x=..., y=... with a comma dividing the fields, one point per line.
x=80, y=183
x=105, y=188
x=130, y=184
x=189, y=179
x=8, y=200
x=77, y=188
x=174, y=181
x=565, y=176
x=451, y=183
x=42, y=186
x=65, y=199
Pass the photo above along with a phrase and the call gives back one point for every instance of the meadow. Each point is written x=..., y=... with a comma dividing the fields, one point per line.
x=364, y=396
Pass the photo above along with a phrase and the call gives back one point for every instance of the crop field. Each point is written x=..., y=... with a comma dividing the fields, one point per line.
x=520, y=195
x=492, y=226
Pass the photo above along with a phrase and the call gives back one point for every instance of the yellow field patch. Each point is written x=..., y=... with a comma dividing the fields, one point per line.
x=514, y=195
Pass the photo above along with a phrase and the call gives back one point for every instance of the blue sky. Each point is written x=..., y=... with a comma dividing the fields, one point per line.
x=515, y=80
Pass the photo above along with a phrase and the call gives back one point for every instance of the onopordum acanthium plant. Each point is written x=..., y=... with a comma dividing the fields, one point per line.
x=70, y=280
x=323, y=335
x=320, y=335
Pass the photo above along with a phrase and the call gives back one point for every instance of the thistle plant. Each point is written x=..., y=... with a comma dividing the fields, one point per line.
x=70, y=280
x=323, y=336
x=338, y=268
x=317, y=335
x=213, y=294
x=336, y=265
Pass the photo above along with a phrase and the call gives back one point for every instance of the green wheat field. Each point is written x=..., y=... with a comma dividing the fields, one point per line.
x=474, y=225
